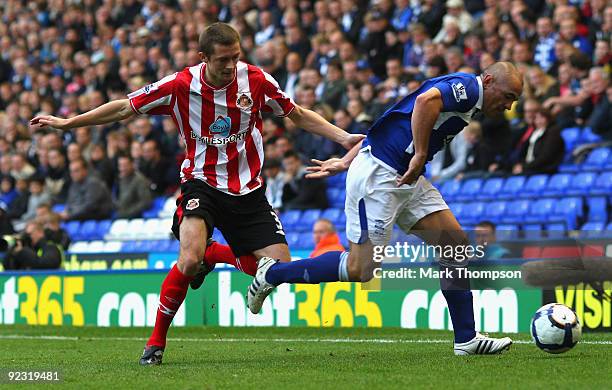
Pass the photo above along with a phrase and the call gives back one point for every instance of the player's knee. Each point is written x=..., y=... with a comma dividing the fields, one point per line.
x=360, y=271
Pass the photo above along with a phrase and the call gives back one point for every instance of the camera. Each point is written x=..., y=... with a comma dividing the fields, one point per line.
x=8, y=242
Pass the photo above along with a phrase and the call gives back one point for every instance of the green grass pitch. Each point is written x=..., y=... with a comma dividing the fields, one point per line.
x=244, y=358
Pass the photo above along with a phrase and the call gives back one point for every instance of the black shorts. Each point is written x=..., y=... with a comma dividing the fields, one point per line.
x=247, y=222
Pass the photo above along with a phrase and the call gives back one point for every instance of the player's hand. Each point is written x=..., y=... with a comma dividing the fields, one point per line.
x=326, y=168
x=351, y=140
x=51, y=121
x=415, y=167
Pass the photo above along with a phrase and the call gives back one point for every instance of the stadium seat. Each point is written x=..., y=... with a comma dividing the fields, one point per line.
x=174, y=246
x=516, y=211
x=592, y=230
x=450, y=189
x=163, y=230
x=598, y=209
x=79, y=247
x=457, y=209
x=337, y=181
x=293, y=239
x=118, y=230
x=88, y=231
x=305, y=241
x=556, y=230
x=336, y=197
x=506, y=232
x=96, y=246
x=113, y=247
x=473, y=212
x=332, y=214
x=571, y=137
x=307, y=220
x=567, y=210
x=168, y=209
x=102, y=228
x=540, y=210
x=557, y=184
x=495, y=211
x=58, y=208
x=512, y=188
x=534, y=186
x=532, y=231
x=156, y=207
x=491, y=188
x=289, y=219
x=135, y=229
x=588, y=137
x=596, y=160
x=582, y=183
x=72, y=228
x=603, y=184
x=469, y=190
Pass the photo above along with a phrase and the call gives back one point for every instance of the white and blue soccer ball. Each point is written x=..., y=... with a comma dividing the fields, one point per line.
x=555, y=328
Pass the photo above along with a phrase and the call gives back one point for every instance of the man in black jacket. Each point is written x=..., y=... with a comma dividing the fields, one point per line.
x=299, y=192
x=33, y=251
x=88, y=196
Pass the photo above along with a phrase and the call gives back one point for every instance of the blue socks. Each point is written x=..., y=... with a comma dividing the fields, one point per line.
x=460, y=306
x=328, y=267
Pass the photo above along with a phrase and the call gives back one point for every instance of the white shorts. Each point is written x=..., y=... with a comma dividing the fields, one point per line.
x=374, y=203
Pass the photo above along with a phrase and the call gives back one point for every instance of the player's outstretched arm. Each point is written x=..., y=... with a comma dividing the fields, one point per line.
x=110, y=112
x=316, y=124
x=427, y=108
x=332, y=166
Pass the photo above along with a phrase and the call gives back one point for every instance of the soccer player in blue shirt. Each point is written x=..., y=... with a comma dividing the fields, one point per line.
x=385, y=186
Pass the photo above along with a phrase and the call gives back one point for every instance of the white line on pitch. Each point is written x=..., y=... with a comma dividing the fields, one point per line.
x=263, y=340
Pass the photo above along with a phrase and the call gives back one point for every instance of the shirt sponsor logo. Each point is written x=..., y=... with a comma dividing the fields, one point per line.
x=459, y=92
x=220, y=141
x=221, y=126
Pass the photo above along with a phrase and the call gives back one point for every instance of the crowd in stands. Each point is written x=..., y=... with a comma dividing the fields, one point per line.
x=349, y=60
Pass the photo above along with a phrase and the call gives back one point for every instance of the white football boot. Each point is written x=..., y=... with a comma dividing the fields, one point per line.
x=260, y=288
x=483, y=345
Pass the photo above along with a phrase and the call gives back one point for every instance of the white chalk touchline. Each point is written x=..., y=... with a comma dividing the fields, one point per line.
x=264, y=340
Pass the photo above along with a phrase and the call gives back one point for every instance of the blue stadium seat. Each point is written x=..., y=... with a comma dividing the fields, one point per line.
x=332, y=214
x=568, y=210
x=512, y=188
x=290, y=218
x=102, y=228
x=336, y=197
x=516, y=211
x=598, y=209
x=305, y=241
x=556, y=230
x=293, y=239
x=491, y=188
x=603, y=184
x=571, y=136
x=337, y=181
x=156, y=207
x=58, y=208
x=450, y=189
x=88, y=230
x=469, y=190
x=308, y=218
x=540, y=210
x=473, y=212
x=344, y=240
x=582, y=183
x=174, y=246
x=163, y=245
x=558, y=184
x=506, y=232
x=587, y=136
x=532, y=231
x=495, y=211
x=593, y=230
x=534, y=186
x=608, y=166
x=456, y=209
x=597, y=159
x=130, y=246
x=72, y=228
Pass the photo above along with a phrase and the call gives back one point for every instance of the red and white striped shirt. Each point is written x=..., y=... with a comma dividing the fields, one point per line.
x=222, y=127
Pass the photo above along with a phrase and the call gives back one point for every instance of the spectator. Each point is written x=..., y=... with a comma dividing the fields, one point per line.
x=544, y=151
x=485, y=233
x=133, y=190
x=88, y=196
x=6, y=227
x=101, y=165
x=325, y=238
x=54, y=231
x=21, y=168
x=334, y=85
x=161, y=172
x=57, y=179
x=452, y=161
x=7, y=190
x=275, y=181
x=601, y=117
x=34, y=251
x=36, y=197
x=299, y=192
x=540, y=86
x=545, y=45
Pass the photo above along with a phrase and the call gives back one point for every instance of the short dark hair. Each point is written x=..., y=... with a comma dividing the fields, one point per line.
x=488, y=224
x=291, y=154
x=125, y=155
x=217, y=34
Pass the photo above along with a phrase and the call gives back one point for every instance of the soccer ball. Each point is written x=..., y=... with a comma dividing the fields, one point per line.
x=555, y=328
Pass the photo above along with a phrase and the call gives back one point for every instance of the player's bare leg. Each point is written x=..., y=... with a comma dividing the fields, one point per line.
x=175, y=286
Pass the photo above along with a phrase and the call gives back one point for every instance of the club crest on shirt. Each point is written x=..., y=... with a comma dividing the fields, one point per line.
x=244, y=101
x=192, y=204
x=459, y=92
x=221, y=126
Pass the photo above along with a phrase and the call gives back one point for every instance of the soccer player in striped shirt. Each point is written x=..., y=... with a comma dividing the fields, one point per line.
x=216, y=106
